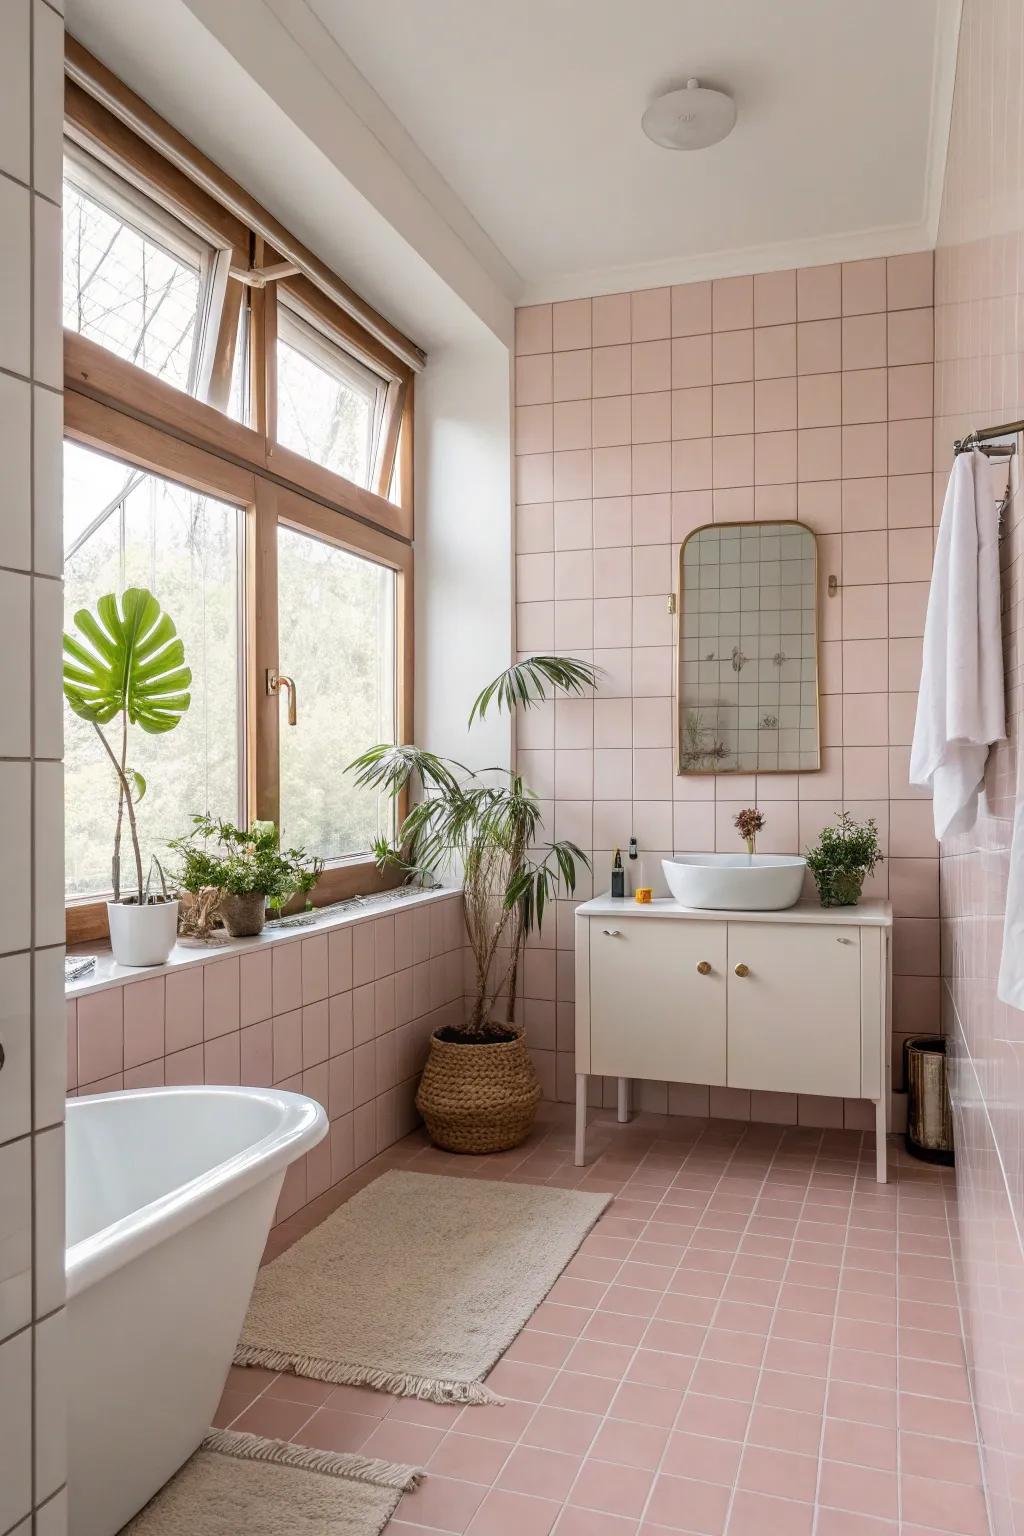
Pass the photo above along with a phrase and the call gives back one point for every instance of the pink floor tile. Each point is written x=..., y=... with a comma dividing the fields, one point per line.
x=720, y=1358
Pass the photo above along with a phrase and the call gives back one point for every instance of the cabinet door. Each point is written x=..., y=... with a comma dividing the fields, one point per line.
x=653, y=1014
x=794, y=1017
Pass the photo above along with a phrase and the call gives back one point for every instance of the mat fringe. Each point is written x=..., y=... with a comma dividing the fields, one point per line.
x=400, y=1383
x=362, y=1469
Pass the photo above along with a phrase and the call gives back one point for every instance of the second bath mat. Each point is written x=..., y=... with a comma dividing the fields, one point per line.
x=416, y=1285
x=243, y=1483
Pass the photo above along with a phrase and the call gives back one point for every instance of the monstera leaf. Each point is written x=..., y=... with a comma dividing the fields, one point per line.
x=127, y=657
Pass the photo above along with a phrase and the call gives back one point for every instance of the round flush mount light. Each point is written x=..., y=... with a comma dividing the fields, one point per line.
x=691, y=118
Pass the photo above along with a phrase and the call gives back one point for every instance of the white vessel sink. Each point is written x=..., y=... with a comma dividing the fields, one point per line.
x=735, y=882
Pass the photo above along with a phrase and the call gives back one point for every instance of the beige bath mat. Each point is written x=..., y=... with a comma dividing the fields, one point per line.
x=238, y=1484
x=416, y=1285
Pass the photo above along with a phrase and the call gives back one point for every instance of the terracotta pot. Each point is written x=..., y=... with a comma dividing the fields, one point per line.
x=243, y=916
x=478, y=1095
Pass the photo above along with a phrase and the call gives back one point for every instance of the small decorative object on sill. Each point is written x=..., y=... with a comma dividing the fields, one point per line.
x=748, y=824
x=198, y=912
x=479, y=1090
x=77, y=966
x=842, y=859
x=644, y=894
x=246, y=870
x=127, y=663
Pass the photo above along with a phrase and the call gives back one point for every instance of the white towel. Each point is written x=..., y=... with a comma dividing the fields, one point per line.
x=960, y=705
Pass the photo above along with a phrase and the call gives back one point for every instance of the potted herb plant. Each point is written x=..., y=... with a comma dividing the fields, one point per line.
x=127, y=664
x=842, y=859
x=246, y=867
x=479, y=1090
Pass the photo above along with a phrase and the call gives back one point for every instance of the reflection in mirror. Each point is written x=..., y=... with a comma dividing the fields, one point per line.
x=748, y=649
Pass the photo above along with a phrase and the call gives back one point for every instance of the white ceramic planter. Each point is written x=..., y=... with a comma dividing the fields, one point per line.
x=142, y=935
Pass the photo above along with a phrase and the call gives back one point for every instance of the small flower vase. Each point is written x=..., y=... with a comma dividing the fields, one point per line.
x=750, y=842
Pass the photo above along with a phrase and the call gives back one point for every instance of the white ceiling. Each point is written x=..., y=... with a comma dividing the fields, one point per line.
x=530, y=111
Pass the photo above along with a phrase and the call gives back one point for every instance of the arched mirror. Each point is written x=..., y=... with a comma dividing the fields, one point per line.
x=748, y=649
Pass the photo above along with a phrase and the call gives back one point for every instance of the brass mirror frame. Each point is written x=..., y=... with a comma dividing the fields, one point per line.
x=759, y=523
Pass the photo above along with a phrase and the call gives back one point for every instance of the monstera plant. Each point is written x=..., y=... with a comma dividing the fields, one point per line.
x=126, y=667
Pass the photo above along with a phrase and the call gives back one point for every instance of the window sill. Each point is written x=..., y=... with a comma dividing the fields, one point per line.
x=107, y=973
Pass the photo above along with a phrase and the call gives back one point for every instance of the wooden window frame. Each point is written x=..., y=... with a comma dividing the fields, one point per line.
x=116, y=408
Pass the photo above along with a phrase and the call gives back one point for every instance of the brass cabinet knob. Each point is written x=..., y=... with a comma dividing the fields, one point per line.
x=742, y=970
x=704, y=967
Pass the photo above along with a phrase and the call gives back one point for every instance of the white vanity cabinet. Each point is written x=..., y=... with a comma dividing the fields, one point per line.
x=794, y=1001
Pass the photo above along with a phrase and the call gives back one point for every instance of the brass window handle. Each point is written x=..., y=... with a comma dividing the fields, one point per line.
x=275, y=682
x=742, y=970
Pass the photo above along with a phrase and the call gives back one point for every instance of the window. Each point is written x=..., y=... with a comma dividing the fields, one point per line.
x=329, y=407
x=337, y=642
x=122, y=528
x=266, y=498
x=135, y=280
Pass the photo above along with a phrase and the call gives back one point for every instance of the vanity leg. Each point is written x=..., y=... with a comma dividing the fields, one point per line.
x=580, y=1155
x=623, y=1107
x=881, y=1168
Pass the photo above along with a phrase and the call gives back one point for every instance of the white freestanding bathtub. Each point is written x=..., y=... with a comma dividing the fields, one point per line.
x=170, y=1195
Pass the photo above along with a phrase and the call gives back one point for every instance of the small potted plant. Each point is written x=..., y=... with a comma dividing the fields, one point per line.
x=842, y=859
x=127, y=663
x=479, y=1090
x=748, y=824
x=247, y=867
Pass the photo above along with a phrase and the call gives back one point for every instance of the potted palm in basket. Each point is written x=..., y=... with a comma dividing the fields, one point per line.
x=127, y=663
x=479, y=1090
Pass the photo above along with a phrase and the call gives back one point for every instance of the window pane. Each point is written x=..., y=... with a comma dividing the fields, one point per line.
x=185, y=548
x=328, y=405
x=337, y=640
x=128, y=290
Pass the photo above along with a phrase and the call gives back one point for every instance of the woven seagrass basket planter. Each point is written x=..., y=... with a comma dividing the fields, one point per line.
x=478, y=1098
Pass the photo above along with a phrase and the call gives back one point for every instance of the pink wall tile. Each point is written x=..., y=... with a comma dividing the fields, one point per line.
x=255, y=987
x=220, y=997
x=100, y=1034
x=183, y=1009
x=143, y=1021
x=785, y=402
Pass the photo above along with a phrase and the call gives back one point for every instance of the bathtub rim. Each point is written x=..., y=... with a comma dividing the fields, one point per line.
x=302, y=1123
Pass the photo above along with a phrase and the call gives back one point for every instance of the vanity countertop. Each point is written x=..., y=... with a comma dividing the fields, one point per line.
x=872, y=912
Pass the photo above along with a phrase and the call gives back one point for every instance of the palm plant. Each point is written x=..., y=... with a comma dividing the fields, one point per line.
x=126, y=663
x=489, y=826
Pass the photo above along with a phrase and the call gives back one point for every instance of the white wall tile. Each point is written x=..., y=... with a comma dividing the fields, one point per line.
x=48, y=1148
x=51, y=1424
x=48, y=363
x=49, y=853
x=15, y=79
x=15, y=826
x=48, y=93
x=48, y=429
x=15, y=1236
x=15, y=1428
x=15, y=264
x=52, y=1518
x=15, y=1037
x=15, y=634
x=49, y=1030
x=16, y=457
x=48, y=628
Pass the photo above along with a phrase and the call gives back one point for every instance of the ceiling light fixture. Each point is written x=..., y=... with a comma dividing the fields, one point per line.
x=691, y=118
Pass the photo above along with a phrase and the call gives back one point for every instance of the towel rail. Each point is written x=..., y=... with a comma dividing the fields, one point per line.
x=981, y=436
